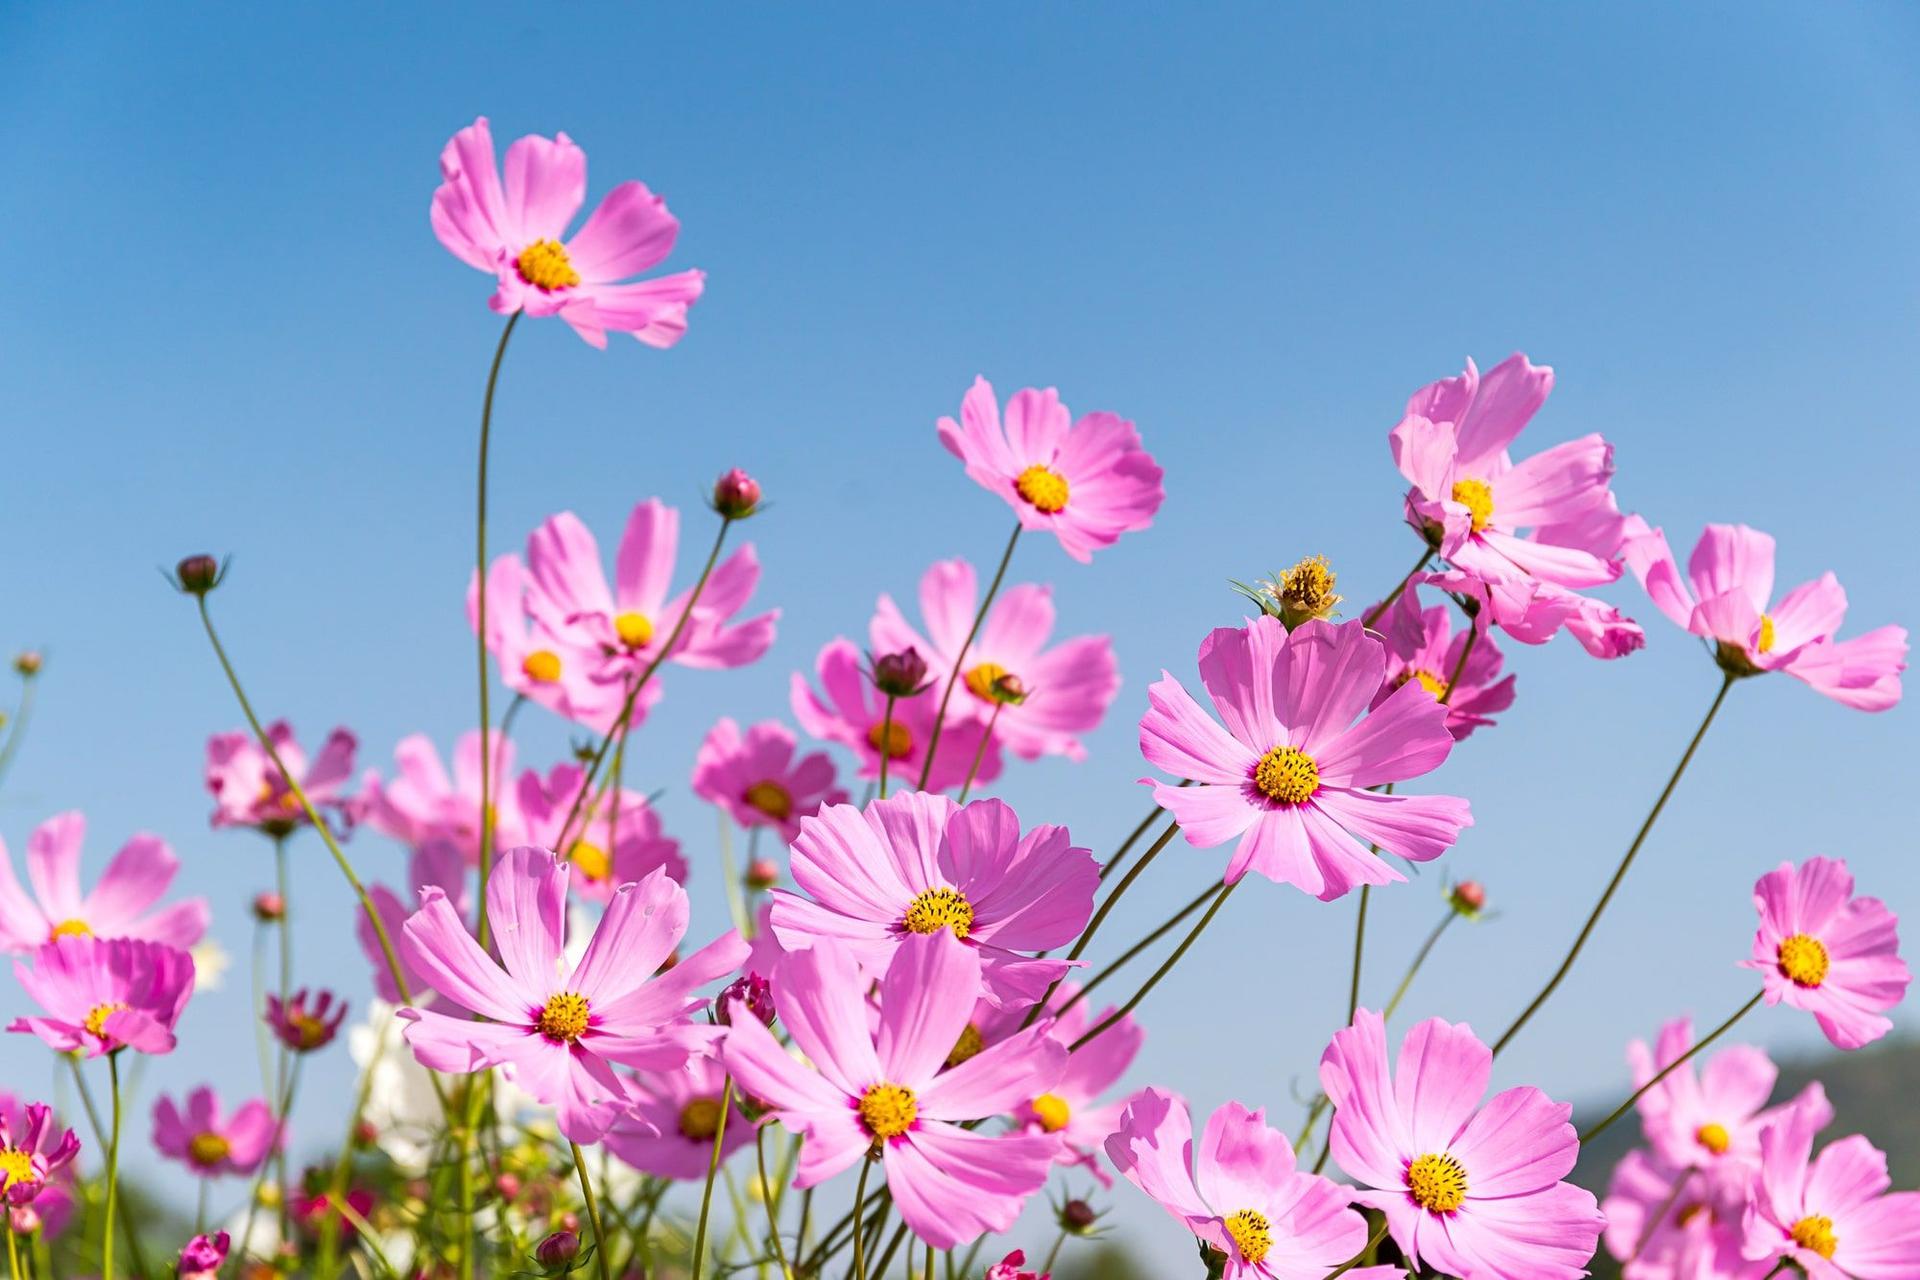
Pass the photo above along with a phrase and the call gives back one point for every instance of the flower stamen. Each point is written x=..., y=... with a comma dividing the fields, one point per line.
x=542, y=666
x=1252, y=1234
x=700, y=1119
x=208, y=1149
x=938, y=909
x=1044, y=487
x=887, y=1111
x=96, y=1022
x=1437, y=1183
x=1052, y=1111
x=564, y=1019
x=634, y=629
x=1477, y=497
x=544, y=264
x=1287, y=775
x=1815, y=1234
x=1714, y=1137
x=891, y=738
x=771, y=799
x=1803, y=960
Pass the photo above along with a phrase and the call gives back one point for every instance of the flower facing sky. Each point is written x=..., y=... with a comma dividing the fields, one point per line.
x=1820, y=949
x=756, y=780
x=1075, y=1108
x=32, y=1149
x=1667, y=1223
x=210, y=1143
x=250, y=791
x=118, y=906
x=421, y=803
x=1831, y=1214
x=103, y=995
x=668, y=1130
x=1424, y=649
x=620, y=840
x=855, y=714
x=539, y=662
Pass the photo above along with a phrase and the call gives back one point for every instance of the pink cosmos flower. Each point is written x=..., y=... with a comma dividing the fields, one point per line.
x=117, y=908
x=1086, y=482
x=557, y=1028
x=1423, y=649
x=638, y=842
x=204, y=1255
x=1067, y=688
x=1727, y=598
x=102, y=995
x=304, y=1022
x=668, y=1132
x=754, y=778
x=1696, y=1234
x=1009, y=1268
x=518, y=232
x=1290, y=775
x=33, y=1149
x=1469, y=1190
x=854, y=714
x=437, y=863
x=249, y=791
x=1240, y=1192
x=1073, y=1109
x=422, y=804
x=1823, y=950
x=917, y=863
x=884, y=1093
x=209, y=1143
x=1830, y=1214
x=539, y=662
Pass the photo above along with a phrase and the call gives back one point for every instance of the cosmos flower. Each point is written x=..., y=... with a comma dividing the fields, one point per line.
x=1823, y=950
x=1010, y=1268
x=854, y=714
x=517, y=231
x=755, y=779
x=33, y=1149
x=1831, y=1214
x=1290, y=775
x=1423, y=649
x=1667, y=1223
x=1074, y=1108
x=422, y=804
x=103, y=995
x=204, y=1255
x=1086, y=482
x=674, y=1116
x=116, y=908
x=438, y=863
x=615, y=843
x=541, y=663
x=249, y=791
x=306, y=1021
x=208, y=1142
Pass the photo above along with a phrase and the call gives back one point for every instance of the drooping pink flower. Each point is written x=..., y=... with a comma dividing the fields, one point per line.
x=517, y=231
x=917, y=863
x=886, y=1091
x=755, y=779
x=1727, y=598
x=616, y=841
x=1086, y=482
x=1830, y=1214
x=1067, y=689
x=1240, y=1192
x=855, y=714
x=1423, y=649
x=1667, y=1223
x=558, y=1029
x=1289, y=776
x=204, y=1255
x=422, y=804
x=209, y=1142
x=116, y=908
x=1823, y=950
x=101, y=995
x=1009, y=1268
x=541, y=662
x=306, y=1021
x=1075, y=1108
x=1469, y=1190
x=249, y=791
x=669, y=1128
x=33, y=1149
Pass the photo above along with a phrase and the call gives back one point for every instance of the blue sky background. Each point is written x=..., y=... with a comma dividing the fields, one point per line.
x=226, y=326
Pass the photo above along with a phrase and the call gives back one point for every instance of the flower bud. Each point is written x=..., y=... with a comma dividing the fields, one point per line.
x=28, y=662
x=364, y=1134
x=1078, y=1217
x=763, y=873
x=899, y=675
x=558, y=1248
x=268, y=907
x=204, y=1256
x=507, y=1186
x=753, y=992
x=736, y=495
x=197, y=575
x=1469, y=898
x=1305, y=592
x=24, y=1219
x=1009, y=690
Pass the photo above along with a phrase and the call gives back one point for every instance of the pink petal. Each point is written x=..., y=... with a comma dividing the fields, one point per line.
x=629, y=232
x=926, y=998
x=546, y=182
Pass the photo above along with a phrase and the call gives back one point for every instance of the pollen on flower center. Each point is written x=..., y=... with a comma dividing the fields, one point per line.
x=1714, y=1137
x=97, y=1016
x=938, y=909
x=544, y=264
x=1477, y=497
x=16, y=1166
x=70, y=929
x=1815, y=1233
x=887, y=1111
x=564, y=1019
x=1803, y=959
x=700, y=1119
x=771, y=799
x=208, y=1148
x=890, y=737
x=968, y=1046
x=1044, y=487
x=542, y=666
x=634, y=629
x=981, y=679
x=1052, y=1111
x=1763, y=643
x=591, y=859
x=1426, y=679
x=1288, y=775
x=1437, y=1183
x=1251, y=1233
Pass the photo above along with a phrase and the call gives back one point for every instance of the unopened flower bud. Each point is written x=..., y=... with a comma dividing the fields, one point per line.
x=24, y=1219
x=1305, y=592
x=197, y=575
x=1469, y=897
x=900, y=675
x=763, y=873
x=1078, y=1217
x=268, y=907
x=558, y=1248
x=736, y=495
x=752, y=992
x=1009, y=690
x=364, y=1134
x=28, y=662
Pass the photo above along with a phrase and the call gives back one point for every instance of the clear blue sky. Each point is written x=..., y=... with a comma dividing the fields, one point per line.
x=227, y=327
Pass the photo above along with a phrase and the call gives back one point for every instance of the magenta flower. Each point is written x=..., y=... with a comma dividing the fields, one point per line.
x=1670, y=1224
x=1727, y=598
x=103, y=995
x=538, y=661
x=755, y=779
x=1009, y=1268
x=917, y=863
x=885, y=1094
x=518, y=232
x=33, y=1149
x=1831, y=1214
x=1073, y=1109
x=209, y=1143
x=639, y=843
x=669, y=1128
x=249, y=791
x=558, y=1028
x=1290, y=776
x=1823, y=950
x=854, y=714
x=304, y=1024
x=1086, y=482
x=116, y=908
x=1423, y=649
x=1468, y=1190
x=1067, y=688
x=1240, y=1193
x=422, y=804
x=204, y=1255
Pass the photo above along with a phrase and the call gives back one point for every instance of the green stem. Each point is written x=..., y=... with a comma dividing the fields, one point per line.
x=286, y=987
x=19, y=728
x=100, y=1141
x=1100, y=916
x=960, y=659
x=1373, y=614
x=480, y=623
x=1053, y=1254
x=113, y=1169
x=893, y=1247
x=1115, y=966
x=730, y=876
x=1226, y=891
x=600, y=1240
x=770, y=1203
x=1420, y=958
x=1373, y=1242
x=980, y=753
x=713, y=1168
x=886, y=744
x=859, y=1226
x=1359, y=950
x=13, y=1249
x=1673, y=1066
x=1133, y=838
x=343, y=1166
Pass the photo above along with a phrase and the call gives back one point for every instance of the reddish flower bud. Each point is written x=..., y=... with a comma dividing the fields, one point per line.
x=1469, y=897
x=269, y=907
x=763, y=873
x=204, y=1256
x=1078, y=1217
x=753, y=992
x=736, y=495
x=197, y=575
x=560, y=1247
x=507, y=1186
x=28, y=662
x=900, y=675
x=1009, y=690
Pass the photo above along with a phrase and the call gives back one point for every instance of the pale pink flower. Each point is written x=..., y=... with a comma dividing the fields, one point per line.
x=1831, y=1214
x=1086, y=482
x=118, y=905
x=517, y=231
x=1067, y=688
x=1696, y=1236
x=33, y=1150
x=422, y=803
x=1075, y=1109
x=672, y=1119
x=541, y=662
x=755, y=779
x=1823, y=950
x=207, y=1140
x=1424, y=649
x=249, y=791
x=854, y=714
x=102, y=995
x=639, y=843
x=1292, y=776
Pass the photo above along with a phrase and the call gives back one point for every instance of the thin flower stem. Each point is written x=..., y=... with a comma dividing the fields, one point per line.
x=1127, y=955
x=1226, y=891
x=859, y=1227
x=713, y=1167
x=286, y=987
x=1673, y=1066
x=980, y=752
x=343, y=1166
x=893, y=1247
x=960, y=659
x=1100, y=916
x=1620, y=873
x=113, y=1169
x=100, y=1141
x=480, y=622
x=1133, y=838
x=1359, y=950
x=1373, y=1242
x=13, y=1247
x=1660, y=1215
x=886, y=744
x=282, y=1104
x=1053, y=1254
x=19, y=727
x=1419, y=958
x=1373, y=614
x=729, y=875
x=600, y=1240
x=770, y=1203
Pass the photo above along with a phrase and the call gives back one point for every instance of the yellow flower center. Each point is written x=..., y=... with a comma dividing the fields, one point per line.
x=207, y=1149
x=1437, y=1183
x=980, y=680
x=1803, y=960
x=891, y=738
x=1477, y=497
x=1815, y=1234
x=771, y=799
x=1252, y=1234
x=969, y=1045
x=1693, y=1213
x=96, y=1023
x=1714, y=1137
x=700, y=1119
x=1764, y=643
x=1306, y=592
x=634, y=629
x=887, y=1111
x=1045, y=488
x=1288, y=775
x=1432, y=683
x=308, y=1031
x=70, y=929
x=15, y=1166
x=542, y=666
x=1052, y=1111
x=544, y=264
x=592, y=860
x=938, y=909
x=564, y=1019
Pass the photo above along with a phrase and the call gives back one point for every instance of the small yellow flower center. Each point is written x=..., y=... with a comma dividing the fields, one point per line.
x=1252, y=1234
x=938, y=909
x=207, y=1149
x=1816, y=1235
x=592, y=860
x=980, y=680
x=70, y=929
x=1288, y=775
x=1052, y=1111
x=1693, y=1212
x=1477, y=497
x=1306, y=592
x=96, y=1023
x=15, y=1166
x=542, y=666
x=891, y=738
x=1764, y=643
x=1432, y=683
x=1803, y=960
x=1045, y=488
x=771, y=799
x=969, y=1045
x=544, y=265
x=700, y=1119
x=634, y=629
x=1714, y=1137
x=1437, y=1183
x=564, y=1019
x=308, y=1031
x=887, y=1111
